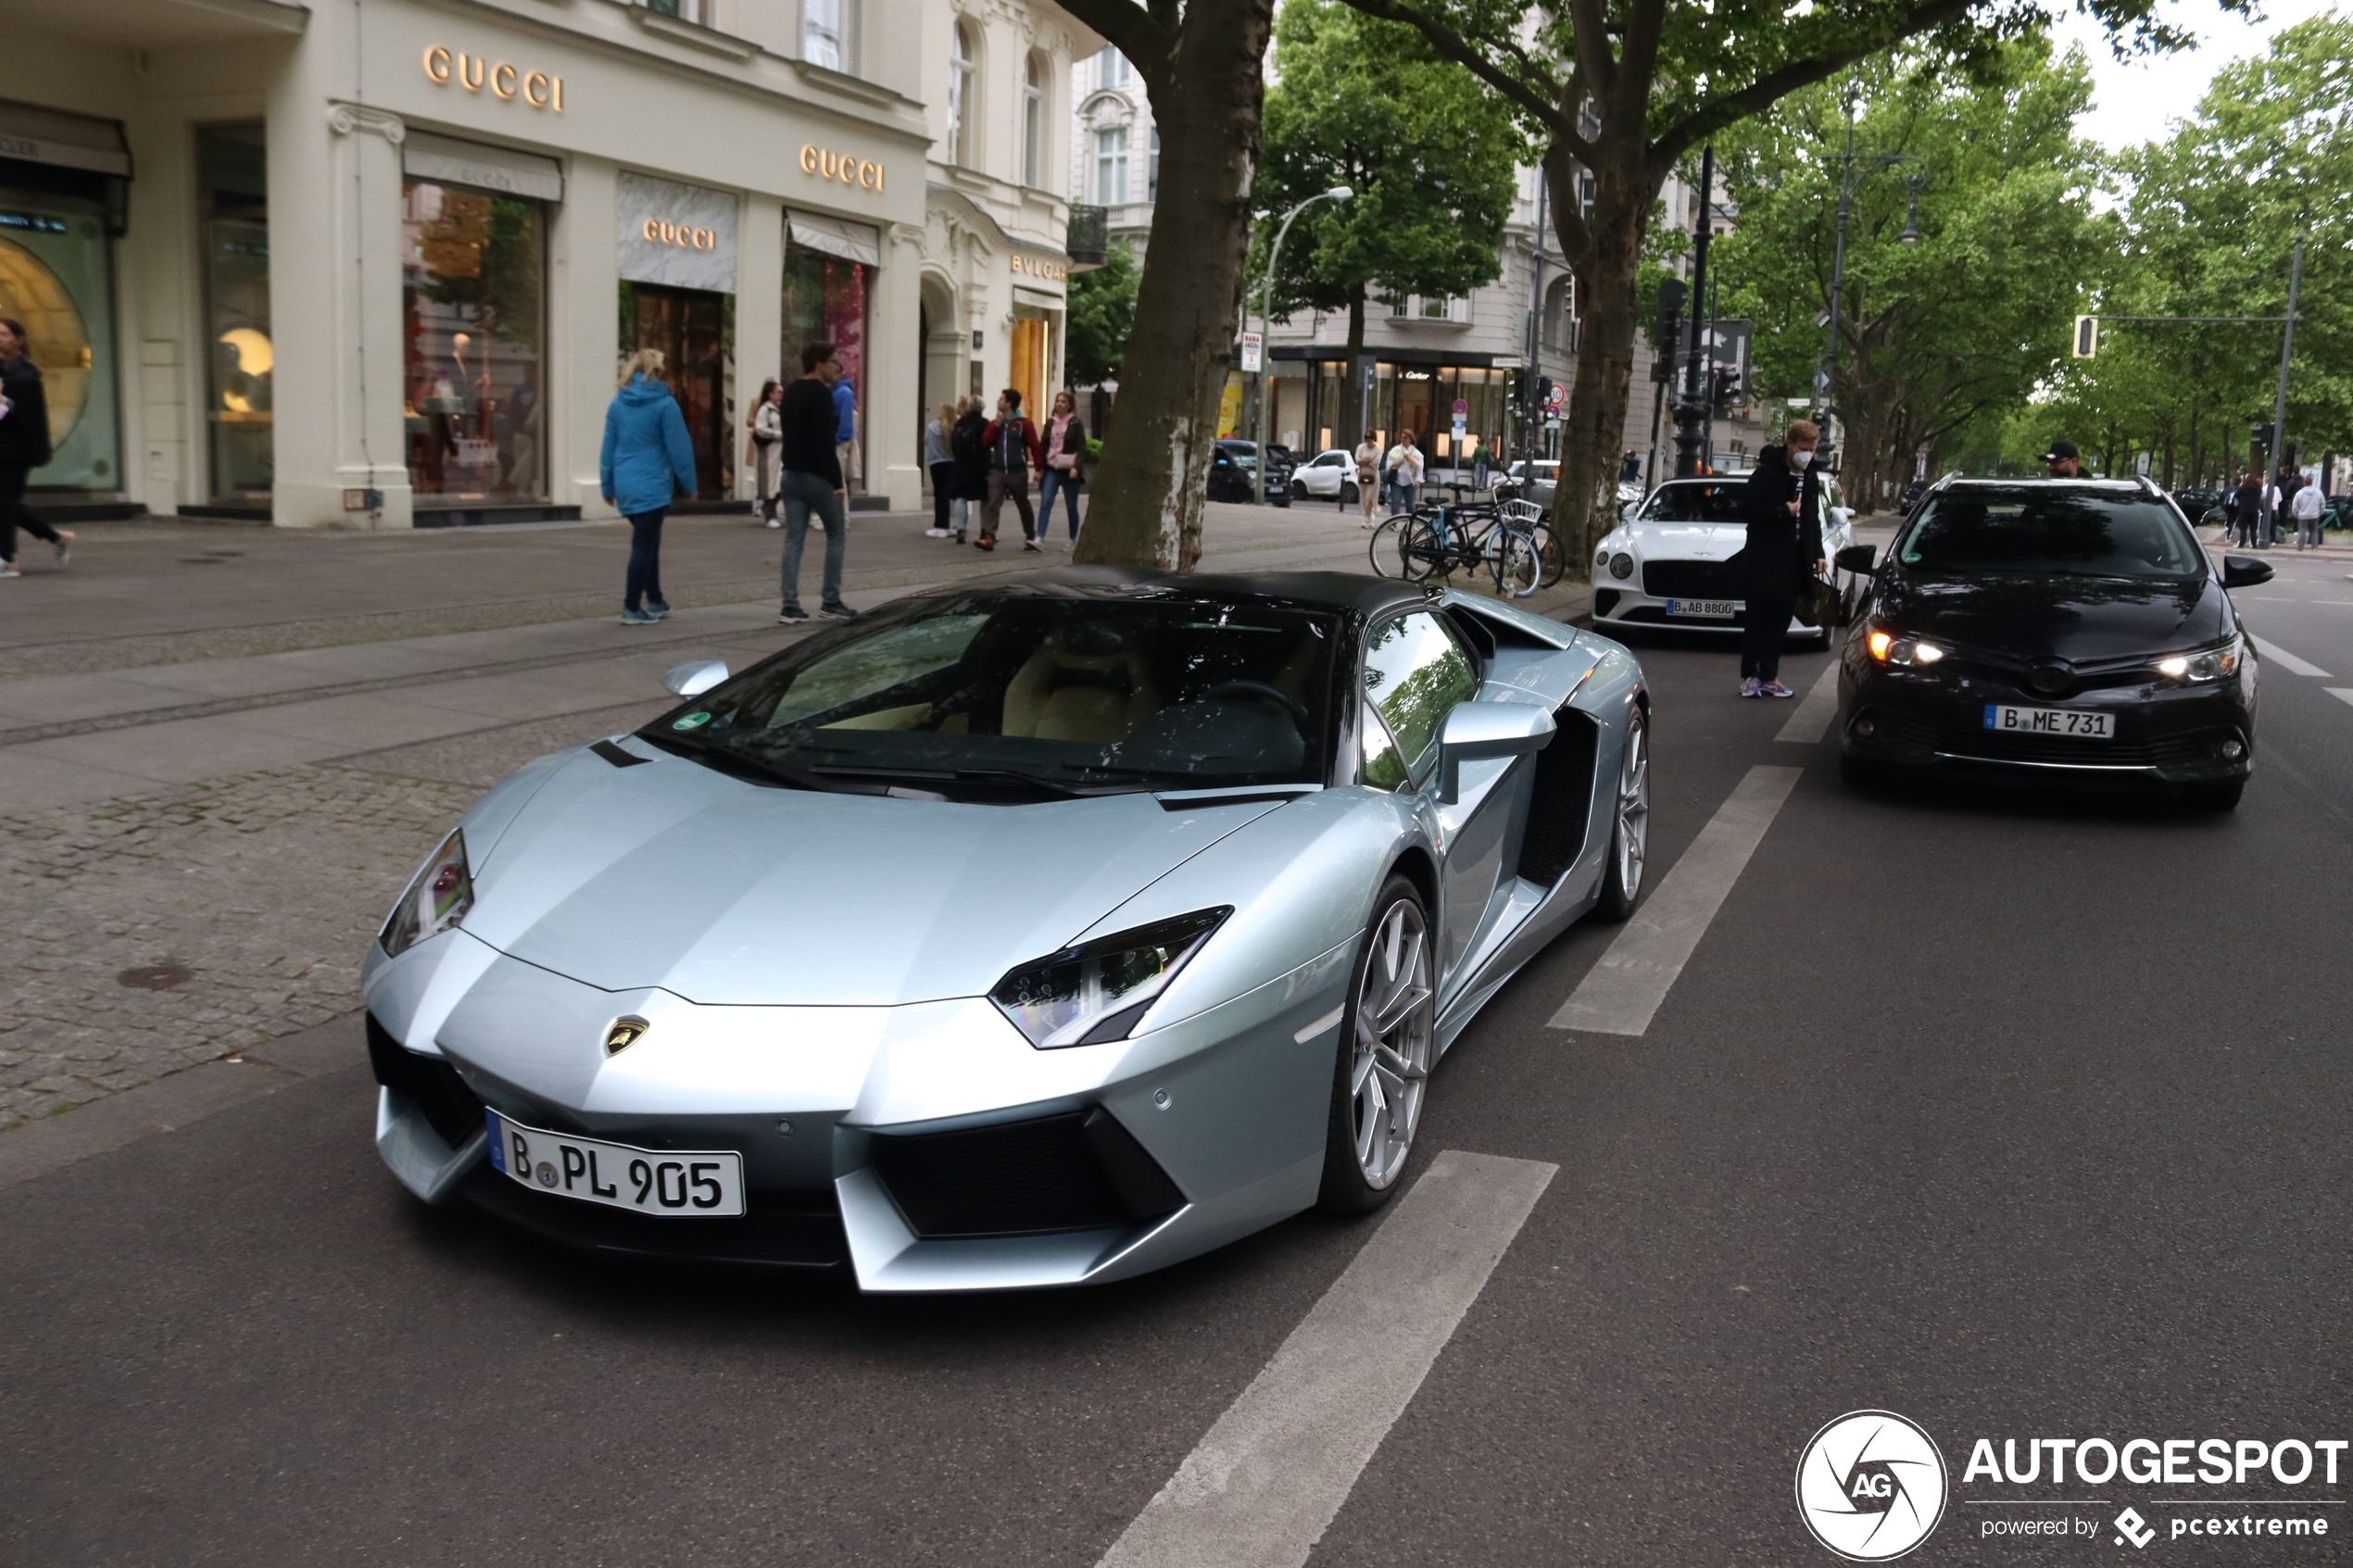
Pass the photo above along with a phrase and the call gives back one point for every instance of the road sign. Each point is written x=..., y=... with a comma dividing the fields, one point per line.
x=1554, y=400
x=1461, y=408
x=2087, y=336
x=1254, y=357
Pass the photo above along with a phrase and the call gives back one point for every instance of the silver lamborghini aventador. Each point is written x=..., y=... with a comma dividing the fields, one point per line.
x=1011, y=936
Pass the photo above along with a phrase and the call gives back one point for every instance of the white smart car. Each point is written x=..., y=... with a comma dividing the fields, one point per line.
x=1670, y=563
x=1330, y=476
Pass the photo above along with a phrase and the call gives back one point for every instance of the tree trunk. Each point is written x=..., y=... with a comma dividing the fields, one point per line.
x=1154, y=474
x=1585, y=499
x=1351, y=423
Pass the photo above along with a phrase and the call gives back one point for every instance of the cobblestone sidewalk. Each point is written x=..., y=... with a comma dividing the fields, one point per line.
x=158, y=932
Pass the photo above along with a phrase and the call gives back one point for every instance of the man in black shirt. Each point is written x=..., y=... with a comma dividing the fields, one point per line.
x=810, y=480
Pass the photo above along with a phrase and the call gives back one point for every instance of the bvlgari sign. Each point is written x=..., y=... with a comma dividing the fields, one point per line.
x=678, y=234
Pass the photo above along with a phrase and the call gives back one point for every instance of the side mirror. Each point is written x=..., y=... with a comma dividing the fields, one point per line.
x=693, y=677
x=2244, y=571
x=1856, y=558
x=1478, y=730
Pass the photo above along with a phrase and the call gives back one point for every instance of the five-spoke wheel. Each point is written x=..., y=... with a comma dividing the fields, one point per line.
x=1384, y=1057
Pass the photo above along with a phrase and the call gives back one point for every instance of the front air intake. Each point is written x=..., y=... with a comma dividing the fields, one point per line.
x=1079, y=1170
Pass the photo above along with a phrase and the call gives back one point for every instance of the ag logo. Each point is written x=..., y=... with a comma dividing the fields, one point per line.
x=1870, y=1485
x=623, y=1033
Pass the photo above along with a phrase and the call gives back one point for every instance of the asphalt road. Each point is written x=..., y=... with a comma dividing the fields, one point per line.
x=2019, y=1114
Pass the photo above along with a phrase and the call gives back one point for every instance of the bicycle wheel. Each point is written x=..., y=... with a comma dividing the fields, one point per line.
x=1388, y=555
x=1549, y=553
x=1513, y=560
x=1422, y=550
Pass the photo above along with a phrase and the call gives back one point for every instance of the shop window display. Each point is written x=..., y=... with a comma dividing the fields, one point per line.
x=825, y=298
x=54, y=278
x=240, y=355
x=473, y=298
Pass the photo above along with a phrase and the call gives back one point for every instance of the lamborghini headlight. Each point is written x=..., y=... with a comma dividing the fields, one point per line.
x=2207, y=664
x=437, y=899
x=1098, y=990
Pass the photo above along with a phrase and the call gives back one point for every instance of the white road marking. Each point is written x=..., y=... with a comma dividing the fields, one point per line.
x=1266, y=1483
x=1621, y=992
x=1815, y=711
x=2345, y=693
x=1303, y=1035
x=2287, y=660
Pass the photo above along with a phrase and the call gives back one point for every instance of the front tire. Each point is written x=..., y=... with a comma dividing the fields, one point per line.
x=1350, y=495
x=1629, y=833
x=1387, y=1044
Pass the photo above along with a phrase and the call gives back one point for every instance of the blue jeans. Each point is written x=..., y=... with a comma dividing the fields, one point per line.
x=644, y=581
x=805, y=493
x=1068, y=486
x=1402, y=498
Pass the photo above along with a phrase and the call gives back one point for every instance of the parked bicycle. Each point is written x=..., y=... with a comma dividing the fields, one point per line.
x=1457, y=535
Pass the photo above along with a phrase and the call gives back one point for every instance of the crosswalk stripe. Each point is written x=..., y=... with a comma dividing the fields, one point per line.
x=1266, y=1483
x=2342, y=692
x=1621, y=992
x=1815, y=711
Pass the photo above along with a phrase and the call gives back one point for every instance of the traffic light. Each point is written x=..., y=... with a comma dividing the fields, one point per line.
x=1672, y=293
x=2262, y=434
x=1728, y=390
x=2087, y=336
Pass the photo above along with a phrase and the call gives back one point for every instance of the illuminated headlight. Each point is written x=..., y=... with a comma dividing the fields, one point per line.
x=437, y=899
x=1098, y=990
x=1891, y=648
x=1621, y=565
x=2211, y=664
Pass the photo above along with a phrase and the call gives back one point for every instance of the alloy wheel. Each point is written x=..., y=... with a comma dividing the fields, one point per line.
x=1395, y=1008
x=1633, y=810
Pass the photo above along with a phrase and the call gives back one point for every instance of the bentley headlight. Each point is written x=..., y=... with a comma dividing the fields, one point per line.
x=2209, y=664
x=1621, y=566
x=1097, y=990
x=437, y=899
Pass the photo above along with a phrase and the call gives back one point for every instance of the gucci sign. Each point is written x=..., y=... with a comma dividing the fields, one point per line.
x=840, y=165
x=474, y=72
x=680, y=235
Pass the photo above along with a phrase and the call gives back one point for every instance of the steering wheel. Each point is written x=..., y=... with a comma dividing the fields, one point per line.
x=1290, y=704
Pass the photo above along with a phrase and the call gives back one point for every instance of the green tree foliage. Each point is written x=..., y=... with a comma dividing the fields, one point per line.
x=1430, y=153
x=1102, y=310
x=2212, y=215
x=1972, y=317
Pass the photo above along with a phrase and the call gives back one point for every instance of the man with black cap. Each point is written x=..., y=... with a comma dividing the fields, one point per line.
x=2064, y=460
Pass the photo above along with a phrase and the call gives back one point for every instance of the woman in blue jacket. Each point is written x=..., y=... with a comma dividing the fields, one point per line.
x=646, y=460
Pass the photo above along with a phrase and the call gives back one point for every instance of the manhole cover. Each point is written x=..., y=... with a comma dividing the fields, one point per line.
x=156, y=977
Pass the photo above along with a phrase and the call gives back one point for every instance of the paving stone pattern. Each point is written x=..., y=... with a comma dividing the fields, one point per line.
x=154, y=932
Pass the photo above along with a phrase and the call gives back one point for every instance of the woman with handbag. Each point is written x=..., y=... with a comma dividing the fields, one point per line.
x=767, y=437
x=1065, y=446
x=1783, y=505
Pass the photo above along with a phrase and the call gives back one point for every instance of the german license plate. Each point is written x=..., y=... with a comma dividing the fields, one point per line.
x=1705, y=609
x=648, y=1181
x=2070, y=722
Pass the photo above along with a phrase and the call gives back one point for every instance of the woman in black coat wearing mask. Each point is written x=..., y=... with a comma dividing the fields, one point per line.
x=1783, y=505
x=24, y=446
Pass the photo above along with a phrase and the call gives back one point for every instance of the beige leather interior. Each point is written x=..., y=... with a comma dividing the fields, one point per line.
x=1097, y=699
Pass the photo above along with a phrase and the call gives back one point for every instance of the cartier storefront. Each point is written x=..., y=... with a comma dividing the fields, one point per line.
x=259, y=283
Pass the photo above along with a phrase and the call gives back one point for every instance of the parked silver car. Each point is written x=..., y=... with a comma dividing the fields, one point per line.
x=1025, y=936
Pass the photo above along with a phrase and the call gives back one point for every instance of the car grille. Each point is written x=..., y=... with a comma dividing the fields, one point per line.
x=1690, y=580
x=1078, y=1171
x=2184, y=748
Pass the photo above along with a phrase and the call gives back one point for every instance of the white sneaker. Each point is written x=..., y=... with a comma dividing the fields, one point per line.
x=935, y=534
x=776, y=522
x=8, y=569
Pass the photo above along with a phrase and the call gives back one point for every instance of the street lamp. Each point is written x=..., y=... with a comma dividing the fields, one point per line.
x=1826, y=369
x=1912, y=183
x=1266, y=299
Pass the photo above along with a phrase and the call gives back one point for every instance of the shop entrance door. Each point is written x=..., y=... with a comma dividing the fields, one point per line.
x=691, y=328
x=1412, y=407
x=1028, y=370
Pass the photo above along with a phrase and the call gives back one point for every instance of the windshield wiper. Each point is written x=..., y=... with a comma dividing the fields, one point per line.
x=978, y=775
x=727, y=759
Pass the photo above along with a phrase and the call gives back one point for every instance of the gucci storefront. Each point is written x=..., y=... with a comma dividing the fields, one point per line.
x=254, y=289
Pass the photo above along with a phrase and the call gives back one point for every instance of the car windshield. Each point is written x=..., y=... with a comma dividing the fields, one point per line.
x=2051, y=531
x=1696, y=503
x=978, y=696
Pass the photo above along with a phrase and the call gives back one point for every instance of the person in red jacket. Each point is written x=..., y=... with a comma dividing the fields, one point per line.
x=1013, y=451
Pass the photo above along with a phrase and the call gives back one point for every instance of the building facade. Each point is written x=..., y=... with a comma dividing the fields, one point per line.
x=996, y=77
x=374, y=264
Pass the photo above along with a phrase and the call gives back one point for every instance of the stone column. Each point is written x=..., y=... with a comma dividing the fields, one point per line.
x=894, y=439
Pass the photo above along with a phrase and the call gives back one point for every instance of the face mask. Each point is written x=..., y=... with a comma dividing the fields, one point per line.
x=1801, y=462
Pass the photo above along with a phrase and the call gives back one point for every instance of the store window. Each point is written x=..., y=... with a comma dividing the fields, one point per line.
x=473, y=316
x=240, y=353
x=1110, y=67
x=1111, y=166
x=825, y=297
x=964, y=57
